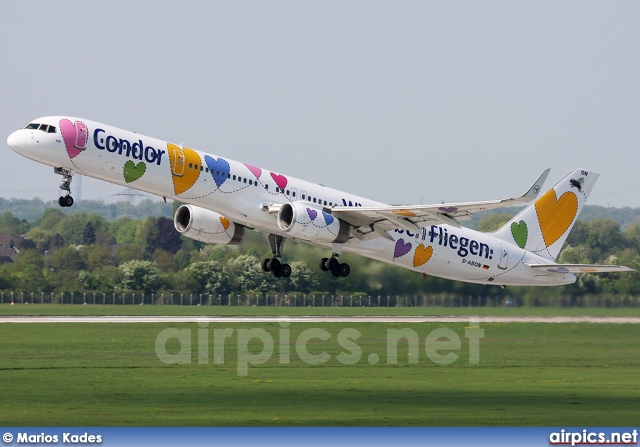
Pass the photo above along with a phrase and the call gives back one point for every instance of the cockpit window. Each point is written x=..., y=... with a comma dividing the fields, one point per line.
x=43, y=127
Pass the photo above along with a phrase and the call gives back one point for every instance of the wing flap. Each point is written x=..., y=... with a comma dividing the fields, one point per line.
x=580, y=268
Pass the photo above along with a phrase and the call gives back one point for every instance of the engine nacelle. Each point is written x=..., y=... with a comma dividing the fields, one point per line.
x=207, y=226
x=306, y=221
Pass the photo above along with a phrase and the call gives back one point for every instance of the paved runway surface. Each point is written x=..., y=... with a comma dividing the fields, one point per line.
x=317, y=319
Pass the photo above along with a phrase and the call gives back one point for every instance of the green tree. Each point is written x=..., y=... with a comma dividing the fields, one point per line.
x=210, y=277
x=124, y=230
x=147, y=235
x=99, y=256
x=27, y=272
x=88, y=234
x=65, y=258
x=11, y=224
x=140, y=276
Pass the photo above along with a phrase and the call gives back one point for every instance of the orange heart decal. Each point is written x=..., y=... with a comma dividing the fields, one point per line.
x=556, y=215
x=225, y=223
x=422, y=255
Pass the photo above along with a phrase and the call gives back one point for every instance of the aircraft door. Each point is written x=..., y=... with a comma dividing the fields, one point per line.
x=178, y=162
x=504, y=256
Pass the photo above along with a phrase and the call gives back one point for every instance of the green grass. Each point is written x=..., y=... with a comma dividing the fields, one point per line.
x=109, y=374
x=90, y=309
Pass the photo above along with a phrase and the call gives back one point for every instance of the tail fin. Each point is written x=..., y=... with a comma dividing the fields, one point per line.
x=543, y=226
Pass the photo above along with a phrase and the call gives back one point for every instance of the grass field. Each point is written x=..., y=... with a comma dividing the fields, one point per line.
x=110, y=374
x=90, y=309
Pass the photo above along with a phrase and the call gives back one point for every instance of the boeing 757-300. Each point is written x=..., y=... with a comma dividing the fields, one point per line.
x=222, y=198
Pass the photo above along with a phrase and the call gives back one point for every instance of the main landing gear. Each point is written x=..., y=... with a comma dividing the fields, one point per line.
x=274, y=265
x=279, y=270
x=335, y=267
x=65, y=200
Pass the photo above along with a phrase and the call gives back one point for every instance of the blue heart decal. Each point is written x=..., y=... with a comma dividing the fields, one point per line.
x=219, y=169
x=328, y=218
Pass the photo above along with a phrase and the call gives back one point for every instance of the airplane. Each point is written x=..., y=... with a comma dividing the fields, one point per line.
x=222, y=198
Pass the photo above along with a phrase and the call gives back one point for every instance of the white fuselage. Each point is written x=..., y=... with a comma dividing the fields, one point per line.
x=242, y=193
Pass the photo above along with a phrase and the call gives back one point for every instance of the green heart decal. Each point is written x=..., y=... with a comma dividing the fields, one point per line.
x=133, y=172
x=520, y=233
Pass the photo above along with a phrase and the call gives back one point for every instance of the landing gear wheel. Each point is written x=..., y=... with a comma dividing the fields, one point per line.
x=265, y=265
x=334, y=267
x=345, y=269
x=285, y=270
x=275, y=267
x=323, y=264
x=65, y=201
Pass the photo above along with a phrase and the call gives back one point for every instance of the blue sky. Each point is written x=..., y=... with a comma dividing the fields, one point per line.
x=402, y=102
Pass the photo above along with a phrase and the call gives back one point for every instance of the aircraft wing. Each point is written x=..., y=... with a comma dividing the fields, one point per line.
x=412, y=217
x=580, y=268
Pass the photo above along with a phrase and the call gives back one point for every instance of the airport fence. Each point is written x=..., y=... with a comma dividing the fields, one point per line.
x=297, y=300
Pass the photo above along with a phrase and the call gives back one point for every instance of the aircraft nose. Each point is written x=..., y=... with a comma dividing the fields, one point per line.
x=15, y=140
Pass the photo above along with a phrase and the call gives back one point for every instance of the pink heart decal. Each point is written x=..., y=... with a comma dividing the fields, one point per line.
x=254, y=170
x=401, y=248
x=312, y=213
x=280, y=180
x=75, y=136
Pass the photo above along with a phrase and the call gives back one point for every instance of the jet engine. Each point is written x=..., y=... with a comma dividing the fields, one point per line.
x=306, y=221
x=207, y=226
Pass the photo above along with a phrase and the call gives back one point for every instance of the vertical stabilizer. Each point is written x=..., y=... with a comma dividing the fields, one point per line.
x=543, y=226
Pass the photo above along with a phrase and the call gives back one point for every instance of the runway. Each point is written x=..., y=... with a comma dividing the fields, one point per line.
x=316, y=319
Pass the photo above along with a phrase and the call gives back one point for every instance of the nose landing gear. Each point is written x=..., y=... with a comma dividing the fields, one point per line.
x=65, y=200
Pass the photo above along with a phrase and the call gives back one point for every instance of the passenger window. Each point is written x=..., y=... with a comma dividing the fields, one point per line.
x=277, y=189
x=314, y=200
x=304, y=197
x=251, y=182
x=244, y=180
x=266, y=186
x=325, y=202
x=234, y=176
x=191, y=165
x=294, y=193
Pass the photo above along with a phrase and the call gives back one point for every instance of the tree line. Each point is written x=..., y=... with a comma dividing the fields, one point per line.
x=85, y=252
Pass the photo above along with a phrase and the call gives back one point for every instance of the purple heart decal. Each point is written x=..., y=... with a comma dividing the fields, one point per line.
x=448, y=209
x=328, y=218
x=401, y=248
x=312, y=213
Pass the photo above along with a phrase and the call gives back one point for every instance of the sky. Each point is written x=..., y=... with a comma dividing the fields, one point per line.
x=404, y=102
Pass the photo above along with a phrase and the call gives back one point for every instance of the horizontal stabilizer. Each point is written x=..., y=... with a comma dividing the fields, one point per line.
x=580, y=268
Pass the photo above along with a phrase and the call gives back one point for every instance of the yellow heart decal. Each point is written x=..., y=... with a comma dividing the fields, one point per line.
x=556, y=215
x=185, y=167
x=422, y=255
x=225, y=223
